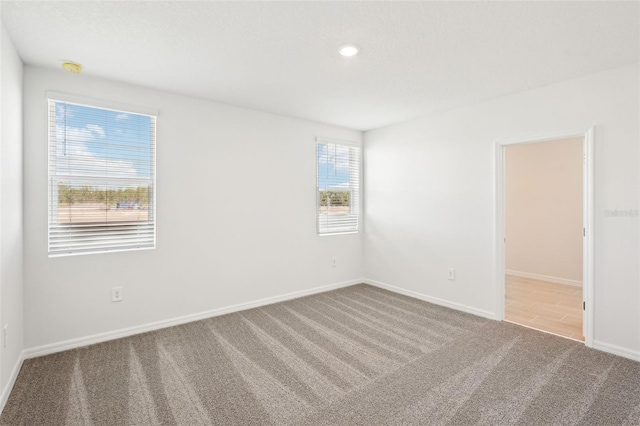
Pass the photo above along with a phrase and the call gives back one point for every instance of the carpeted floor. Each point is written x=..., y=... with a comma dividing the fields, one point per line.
x=354, y=356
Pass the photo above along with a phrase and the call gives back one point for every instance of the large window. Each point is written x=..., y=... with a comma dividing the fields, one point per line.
x=338, y=187
x=101, y=179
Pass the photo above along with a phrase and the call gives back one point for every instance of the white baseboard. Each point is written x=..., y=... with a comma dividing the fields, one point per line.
x=431, y=299
x=617, y=350
x=601, y=346
x=130, y=331
x=12, y=381
x=547, y=278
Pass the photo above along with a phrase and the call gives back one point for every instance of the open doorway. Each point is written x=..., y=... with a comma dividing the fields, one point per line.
x=544, y=220
x=543, y=235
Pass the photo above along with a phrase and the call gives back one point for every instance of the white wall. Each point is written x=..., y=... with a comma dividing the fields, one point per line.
x=543, y=209
x=430, y=195
x=236, y=217
x=11, y=229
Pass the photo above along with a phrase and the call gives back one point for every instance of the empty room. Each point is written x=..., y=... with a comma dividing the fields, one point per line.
x=319, y=213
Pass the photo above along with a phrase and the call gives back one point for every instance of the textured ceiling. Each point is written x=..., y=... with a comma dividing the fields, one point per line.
x=417, y=57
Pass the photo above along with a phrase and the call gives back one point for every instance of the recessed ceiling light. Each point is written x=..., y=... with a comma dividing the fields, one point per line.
x=72, y=67
x=349, y=50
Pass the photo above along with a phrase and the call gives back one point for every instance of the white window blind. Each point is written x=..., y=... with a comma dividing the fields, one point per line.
x=101, y=179
x=338, y=187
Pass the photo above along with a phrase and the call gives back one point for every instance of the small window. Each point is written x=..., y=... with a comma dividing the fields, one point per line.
x=101, y=179
x=338, y=187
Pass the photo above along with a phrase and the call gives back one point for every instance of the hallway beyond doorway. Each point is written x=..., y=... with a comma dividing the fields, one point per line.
x=546, y=306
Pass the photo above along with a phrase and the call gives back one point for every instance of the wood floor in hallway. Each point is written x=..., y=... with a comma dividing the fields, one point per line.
x=556, y=308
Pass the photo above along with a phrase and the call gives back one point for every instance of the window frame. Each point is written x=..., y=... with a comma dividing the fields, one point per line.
x=358, y=205
x=52, y=96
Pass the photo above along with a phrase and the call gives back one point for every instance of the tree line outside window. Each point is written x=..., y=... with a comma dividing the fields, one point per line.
x=335, y=198
x=69, y=195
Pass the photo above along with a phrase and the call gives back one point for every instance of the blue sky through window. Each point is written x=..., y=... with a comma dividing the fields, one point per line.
x=333, y=166
x=96, y=142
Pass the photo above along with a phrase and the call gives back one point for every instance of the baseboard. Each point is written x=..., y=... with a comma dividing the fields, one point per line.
x=547, y=278
x=130, y=331
x=431, y=299
x=601, y=346
x=617, y=350
x=4, y=397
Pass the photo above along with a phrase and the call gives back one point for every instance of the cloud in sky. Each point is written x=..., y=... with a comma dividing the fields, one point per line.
x=94, y=142
x=94, y=128
x=62, y=113
x=336, y=166
x=74, y=157
x=336, y=156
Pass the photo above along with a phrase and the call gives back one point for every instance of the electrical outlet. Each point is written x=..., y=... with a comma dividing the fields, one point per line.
x=116, y=294
x=452, y=274
x=334, y=262
x=5, y=335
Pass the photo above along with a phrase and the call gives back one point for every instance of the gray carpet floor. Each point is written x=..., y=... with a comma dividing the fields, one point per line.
x=354, y=356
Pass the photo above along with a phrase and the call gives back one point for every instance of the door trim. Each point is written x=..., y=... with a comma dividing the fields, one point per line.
x=588, y=210
x=588, y=258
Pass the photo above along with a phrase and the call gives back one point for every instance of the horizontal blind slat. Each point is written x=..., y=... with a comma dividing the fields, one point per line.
x=98, y=249
x=57, y=238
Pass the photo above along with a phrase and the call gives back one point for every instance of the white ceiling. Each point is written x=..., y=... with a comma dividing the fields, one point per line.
x=281, y=57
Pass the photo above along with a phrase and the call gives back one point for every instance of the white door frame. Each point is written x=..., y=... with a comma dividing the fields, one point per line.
x=588, y=210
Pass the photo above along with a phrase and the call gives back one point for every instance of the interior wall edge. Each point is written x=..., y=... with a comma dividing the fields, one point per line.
x=11, y=203
x=4, y=396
